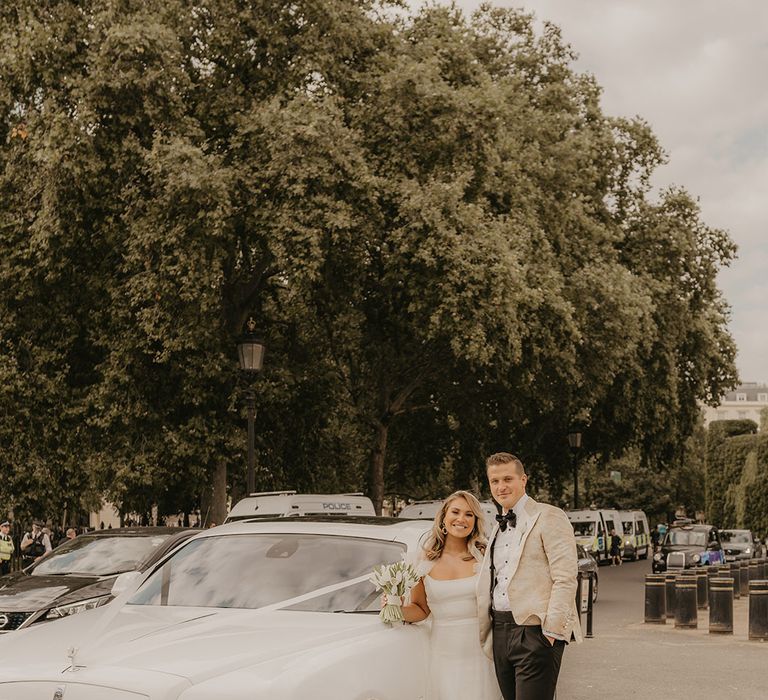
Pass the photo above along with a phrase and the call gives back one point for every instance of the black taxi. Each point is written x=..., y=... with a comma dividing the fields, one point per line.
x=687, y=545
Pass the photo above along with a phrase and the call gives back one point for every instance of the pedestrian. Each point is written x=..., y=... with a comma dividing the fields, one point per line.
x=6, y=548
x=71, y=533
x=527, y=588
x=35, y=544
x=655, y=537
x=615, y=549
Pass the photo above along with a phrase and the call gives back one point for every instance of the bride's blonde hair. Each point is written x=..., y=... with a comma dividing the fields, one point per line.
x=435, y=542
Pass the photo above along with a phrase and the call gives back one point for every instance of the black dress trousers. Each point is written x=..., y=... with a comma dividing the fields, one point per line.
x=527, y=665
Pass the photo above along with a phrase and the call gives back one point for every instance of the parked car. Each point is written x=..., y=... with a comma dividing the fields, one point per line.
x=740, y=544
x=78, y=574
x=588, y=563
x=277, y=609
x=688, y=545
x=285, y=504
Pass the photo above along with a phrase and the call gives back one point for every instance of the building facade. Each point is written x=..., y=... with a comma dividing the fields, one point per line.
x=746, y=401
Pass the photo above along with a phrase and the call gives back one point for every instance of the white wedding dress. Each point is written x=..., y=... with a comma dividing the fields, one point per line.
x=459, y=670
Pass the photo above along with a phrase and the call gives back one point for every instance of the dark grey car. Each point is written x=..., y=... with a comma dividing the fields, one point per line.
x=588, y=563
x=78, y=574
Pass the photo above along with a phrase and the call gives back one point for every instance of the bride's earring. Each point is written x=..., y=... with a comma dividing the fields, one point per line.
x=443, y=529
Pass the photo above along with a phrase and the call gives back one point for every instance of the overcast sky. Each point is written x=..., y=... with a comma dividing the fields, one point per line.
x=696, y=70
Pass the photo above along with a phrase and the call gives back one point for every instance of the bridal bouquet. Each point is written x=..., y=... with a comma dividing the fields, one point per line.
x=395, y=581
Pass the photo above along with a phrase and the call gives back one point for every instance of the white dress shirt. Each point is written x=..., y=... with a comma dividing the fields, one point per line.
x=505, y=551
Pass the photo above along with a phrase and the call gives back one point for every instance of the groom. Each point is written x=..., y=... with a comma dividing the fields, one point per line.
x=527, y=588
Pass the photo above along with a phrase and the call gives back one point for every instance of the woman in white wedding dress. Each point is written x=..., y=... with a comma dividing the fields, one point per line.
x=459, y=670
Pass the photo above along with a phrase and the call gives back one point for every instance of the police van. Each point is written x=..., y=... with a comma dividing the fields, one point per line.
x=592, y=529
x=284, y=504
x=427, y=510
x=636, y=536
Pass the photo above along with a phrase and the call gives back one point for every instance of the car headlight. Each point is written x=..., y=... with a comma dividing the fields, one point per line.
x=657, y=557
x=696, y=558
x=78, y=607
x=627, y=542
x=748, y=550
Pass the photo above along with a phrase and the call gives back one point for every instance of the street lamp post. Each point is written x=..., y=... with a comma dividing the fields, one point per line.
x=250, y=354
x=574, y=442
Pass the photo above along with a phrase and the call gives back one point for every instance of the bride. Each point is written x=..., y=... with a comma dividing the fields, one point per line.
x=452, y=554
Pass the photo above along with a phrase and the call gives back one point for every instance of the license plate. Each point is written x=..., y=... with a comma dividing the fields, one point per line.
x=728, y=557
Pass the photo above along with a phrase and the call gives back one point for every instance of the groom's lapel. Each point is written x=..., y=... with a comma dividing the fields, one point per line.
x=533, y=512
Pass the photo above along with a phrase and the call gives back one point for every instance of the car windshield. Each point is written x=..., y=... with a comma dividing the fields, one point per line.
x=99, y=556
x=735, y=537
x=627, y=527
x=584, y=529
x=254, y=570
x=695, y=538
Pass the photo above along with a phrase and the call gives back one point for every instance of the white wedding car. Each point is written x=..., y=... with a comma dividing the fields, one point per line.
x=276, y=610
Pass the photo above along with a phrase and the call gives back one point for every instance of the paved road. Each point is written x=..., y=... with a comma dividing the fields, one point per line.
x=628, y=659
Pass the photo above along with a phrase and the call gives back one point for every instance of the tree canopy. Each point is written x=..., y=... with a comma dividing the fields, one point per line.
x=451, y=249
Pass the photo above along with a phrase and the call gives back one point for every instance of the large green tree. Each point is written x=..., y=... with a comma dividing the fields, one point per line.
x=450, y=247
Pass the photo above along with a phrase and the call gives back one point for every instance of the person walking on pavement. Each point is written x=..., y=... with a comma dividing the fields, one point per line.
x=615, y=549
x=35, y=544
x=526, y=592
x=6, y=548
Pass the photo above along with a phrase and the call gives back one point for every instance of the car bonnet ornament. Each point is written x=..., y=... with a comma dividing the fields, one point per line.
x=73, y=665
x=59, y=694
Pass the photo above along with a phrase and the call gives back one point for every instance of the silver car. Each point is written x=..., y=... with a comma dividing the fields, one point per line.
x=740, y=544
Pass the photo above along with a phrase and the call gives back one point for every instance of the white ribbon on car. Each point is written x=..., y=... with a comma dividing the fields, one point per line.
x=317, y=593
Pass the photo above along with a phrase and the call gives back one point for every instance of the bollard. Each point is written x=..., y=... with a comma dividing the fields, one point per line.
x=761, y=571
x=721, y=606
x=758, y=610
x=669, y=590
x=590, y=605
x=713, y=572
x=655, y=599
x=702, y=589
x=744, y=578
x=754, y=571
x=734, y=572
x=685, y=603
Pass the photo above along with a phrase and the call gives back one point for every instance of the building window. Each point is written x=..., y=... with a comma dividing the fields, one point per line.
x=763, y=398
x=741, y=397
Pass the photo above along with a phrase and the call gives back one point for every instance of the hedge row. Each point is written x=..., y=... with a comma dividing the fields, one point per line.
x=737, y=475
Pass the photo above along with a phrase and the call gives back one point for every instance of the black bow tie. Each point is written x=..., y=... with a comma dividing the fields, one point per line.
x=510, y=518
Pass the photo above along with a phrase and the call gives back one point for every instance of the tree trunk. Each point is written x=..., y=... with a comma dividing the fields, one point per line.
x=214, y=505
x=376, y=473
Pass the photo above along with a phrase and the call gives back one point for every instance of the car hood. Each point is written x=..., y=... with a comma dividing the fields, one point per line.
x=190, y=643
x=21, y=592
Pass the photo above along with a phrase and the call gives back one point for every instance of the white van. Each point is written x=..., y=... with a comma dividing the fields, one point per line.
x=592, y=529
x=284, y=504
x=427, y=510
x=636, y=537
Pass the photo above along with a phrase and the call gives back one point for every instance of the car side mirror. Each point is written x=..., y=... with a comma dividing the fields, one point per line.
x=125, y=582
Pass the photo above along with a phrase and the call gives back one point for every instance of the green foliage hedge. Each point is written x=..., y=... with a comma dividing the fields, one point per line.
x=737, y=475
